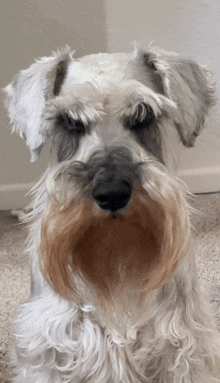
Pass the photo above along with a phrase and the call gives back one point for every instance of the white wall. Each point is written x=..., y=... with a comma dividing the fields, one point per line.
x=191, y=28
x=32, y=29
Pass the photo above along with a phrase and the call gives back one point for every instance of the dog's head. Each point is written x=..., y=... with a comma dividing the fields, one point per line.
x=107, y=118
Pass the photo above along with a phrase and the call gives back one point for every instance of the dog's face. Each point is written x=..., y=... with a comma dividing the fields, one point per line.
x=115, y=215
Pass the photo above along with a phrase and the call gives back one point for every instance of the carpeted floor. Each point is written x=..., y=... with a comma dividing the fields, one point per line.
x=14, y=267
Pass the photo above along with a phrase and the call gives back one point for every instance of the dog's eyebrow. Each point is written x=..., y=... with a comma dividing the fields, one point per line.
x=60, y=76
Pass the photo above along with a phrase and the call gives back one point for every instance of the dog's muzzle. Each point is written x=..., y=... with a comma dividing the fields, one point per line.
x=109, y=177
x=113, y=173
x=113, y=194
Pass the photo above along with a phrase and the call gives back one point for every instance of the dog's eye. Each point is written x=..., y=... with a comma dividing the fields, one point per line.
x=71, y=125
x=143, y=117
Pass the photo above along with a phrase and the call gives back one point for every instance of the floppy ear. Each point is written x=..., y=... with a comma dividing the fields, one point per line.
x=27, y=95
x=188, y=84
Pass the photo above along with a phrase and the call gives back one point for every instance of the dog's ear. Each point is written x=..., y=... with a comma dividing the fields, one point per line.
x=28, y=93
x=188, y=84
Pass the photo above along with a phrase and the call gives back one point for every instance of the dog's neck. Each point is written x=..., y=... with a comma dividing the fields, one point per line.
x=124, y=315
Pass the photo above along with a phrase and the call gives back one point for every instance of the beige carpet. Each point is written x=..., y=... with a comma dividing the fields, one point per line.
x=14, y=268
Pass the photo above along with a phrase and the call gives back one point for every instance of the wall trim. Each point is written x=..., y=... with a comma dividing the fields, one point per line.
x=15, y=187
x=14, y=196
x=201, y=180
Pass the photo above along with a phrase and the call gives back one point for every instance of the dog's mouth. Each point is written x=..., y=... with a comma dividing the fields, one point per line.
x=112, y=253
x=114, y=214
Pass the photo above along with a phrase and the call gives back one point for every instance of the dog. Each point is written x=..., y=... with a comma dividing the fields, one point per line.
x=115, y=296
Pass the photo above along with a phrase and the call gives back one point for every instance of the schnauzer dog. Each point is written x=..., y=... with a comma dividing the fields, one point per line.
x=115, y=296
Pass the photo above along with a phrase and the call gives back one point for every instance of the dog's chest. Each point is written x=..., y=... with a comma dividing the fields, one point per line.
x=123, y=317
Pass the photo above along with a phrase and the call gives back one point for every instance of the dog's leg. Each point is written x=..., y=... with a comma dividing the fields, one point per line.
x=58, y=340
x=36, y=323
x=29, y=376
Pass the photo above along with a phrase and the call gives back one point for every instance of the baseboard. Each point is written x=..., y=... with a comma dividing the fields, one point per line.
x=14, y=196
x=201, y=180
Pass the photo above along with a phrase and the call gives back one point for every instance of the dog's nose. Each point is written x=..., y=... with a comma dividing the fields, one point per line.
x=112, y=195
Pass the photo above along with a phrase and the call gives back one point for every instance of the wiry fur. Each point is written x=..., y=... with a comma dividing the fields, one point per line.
x=115, y=296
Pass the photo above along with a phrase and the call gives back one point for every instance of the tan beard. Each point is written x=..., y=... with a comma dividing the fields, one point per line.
x=110, y=254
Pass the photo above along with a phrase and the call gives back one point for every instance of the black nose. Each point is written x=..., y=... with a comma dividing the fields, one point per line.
x=112, y=195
